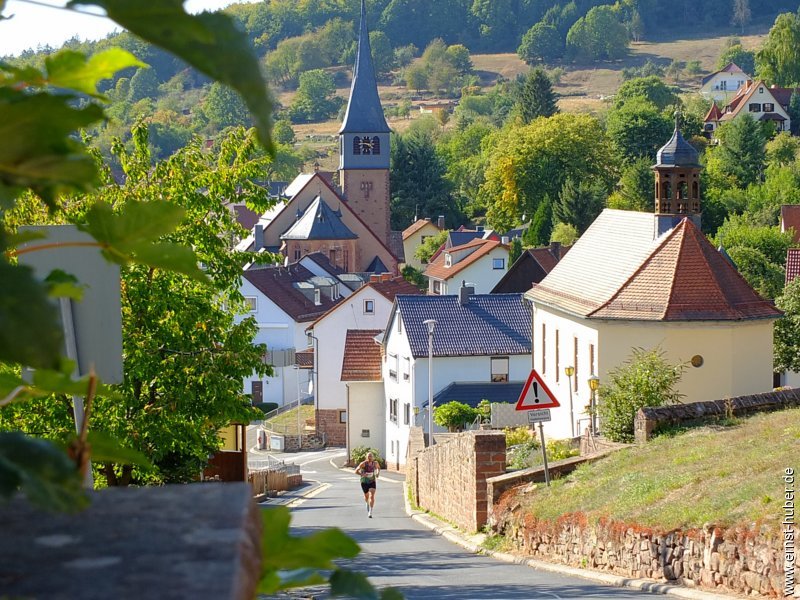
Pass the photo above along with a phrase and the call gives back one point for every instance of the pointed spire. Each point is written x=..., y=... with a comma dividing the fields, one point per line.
x=364, y=111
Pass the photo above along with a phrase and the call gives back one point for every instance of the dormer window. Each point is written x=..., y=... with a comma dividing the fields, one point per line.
x=448, y=260
x=317, y=298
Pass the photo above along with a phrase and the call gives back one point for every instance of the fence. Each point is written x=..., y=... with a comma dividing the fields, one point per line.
x=270, y=476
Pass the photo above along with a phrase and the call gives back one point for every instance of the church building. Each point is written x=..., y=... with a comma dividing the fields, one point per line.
x=349, y=224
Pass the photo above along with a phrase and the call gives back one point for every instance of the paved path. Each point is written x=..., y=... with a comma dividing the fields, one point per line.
x=397, y=551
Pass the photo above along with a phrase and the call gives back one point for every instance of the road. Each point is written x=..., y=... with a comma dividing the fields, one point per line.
x=397, y=551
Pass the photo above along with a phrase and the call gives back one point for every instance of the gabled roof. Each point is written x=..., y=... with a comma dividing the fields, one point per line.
x=319, y=222
x=323, y=262
x=364, y=111
x=278, y=284
x=416, y=226
x=681, y=277
x=471, y=394
x=487, y=325
x=437, y=269
x=729, y=68
x=783, y=95
x=790, y=219
x=362, y=356
x=244, y=216
x=714, y=113
x=792, y=264
x=377, y=266
x=396, y=245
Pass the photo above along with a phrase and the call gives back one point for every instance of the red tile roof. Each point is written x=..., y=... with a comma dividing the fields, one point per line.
x=438, y=270
x=305, y=358
x=792, y=264
x=790, y=219
x=686, y=279
x=362, y=356
x=714, y=113
x=391, y=287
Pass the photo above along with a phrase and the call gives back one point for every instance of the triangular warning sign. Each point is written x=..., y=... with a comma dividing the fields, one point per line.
x=536, y=394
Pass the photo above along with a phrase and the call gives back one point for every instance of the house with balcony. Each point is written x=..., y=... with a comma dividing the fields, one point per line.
x=722, y=85
x=759, y=101
x=478, y=341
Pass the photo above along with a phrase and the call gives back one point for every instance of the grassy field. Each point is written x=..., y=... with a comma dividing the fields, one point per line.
x=287, y=422
x=721, y=475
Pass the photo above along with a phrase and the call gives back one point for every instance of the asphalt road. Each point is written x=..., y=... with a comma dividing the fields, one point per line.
x=399, y=552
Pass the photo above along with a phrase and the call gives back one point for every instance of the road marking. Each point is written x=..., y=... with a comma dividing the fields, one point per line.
x=308, y=496
x=380, y=568
x=328, y=457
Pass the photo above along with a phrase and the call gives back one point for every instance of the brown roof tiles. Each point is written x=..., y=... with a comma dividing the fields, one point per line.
x=362, y=356
x=438, y=270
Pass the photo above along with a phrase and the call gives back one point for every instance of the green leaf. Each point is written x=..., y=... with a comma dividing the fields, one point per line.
x=105, y=448
x=43, y=156
x=30, y=333
x=41, y=470
x=21, y=237
x=63, y=285
x=171, y=257
x=210, y=42
x=138, y=222
x=72, y=70
x=353, y=585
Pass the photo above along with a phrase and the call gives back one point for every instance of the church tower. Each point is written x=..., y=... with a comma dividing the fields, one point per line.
x=364, y=144
x=677, y=189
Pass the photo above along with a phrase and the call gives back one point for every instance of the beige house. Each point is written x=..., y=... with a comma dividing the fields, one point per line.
x=640, y=280
x=415, y=234
x=754, y=98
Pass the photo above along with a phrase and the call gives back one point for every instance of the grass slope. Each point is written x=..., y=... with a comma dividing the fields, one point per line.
x=724, y=476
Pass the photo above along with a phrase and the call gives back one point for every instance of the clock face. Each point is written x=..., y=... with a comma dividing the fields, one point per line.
x=366, y=145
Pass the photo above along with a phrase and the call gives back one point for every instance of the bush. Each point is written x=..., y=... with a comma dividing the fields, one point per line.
x=524, y=455
x=359, y=453
x=518, y=435
x=266, y=407
x=561, y=449
x=454, y=415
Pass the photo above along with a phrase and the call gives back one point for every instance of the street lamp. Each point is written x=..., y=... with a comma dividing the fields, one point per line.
x=594, y=383
x=569, y=372
x=431, y=324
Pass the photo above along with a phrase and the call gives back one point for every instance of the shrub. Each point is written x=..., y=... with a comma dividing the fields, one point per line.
x=266, y=407
x=561, y=449
x=359, y=453
x=454, y=415
x=518, y=435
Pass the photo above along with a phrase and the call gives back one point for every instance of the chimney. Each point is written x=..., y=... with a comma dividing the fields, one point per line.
x=373, y=278
x=505, y=240
x=386, y=276
x=555, y=249
x=464, y=293
x=440, y=222
x=258, y=237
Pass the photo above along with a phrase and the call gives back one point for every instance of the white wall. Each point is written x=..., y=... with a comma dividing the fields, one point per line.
x=480, y=274
x=723, y=86
x=365, y=414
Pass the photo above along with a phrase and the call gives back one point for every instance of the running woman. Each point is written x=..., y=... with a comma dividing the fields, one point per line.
x=368, y=469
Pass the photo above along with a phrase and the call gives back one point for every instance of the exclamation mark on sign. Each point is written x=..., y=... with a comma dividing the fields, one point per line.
x=536, y=392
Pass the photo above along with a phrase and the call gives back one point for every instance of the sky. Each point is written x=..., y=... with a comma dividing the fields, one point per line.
x=35, y=25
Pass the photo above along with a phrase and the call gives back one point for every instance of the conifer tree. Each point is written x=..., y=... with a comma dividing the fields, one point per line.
x=538, y=234
x=579, y=204
x=536, y=97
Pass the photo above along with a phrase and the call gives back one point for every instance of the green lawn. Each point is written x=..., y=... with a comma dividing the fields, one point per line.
x=287, y=422
x=721, y=475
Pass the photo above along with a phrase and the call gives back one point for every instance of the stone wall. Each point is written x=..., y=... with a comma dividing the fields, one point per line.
x=449, y=478
x=650, y=420
x=742, y=560
x=329, y=426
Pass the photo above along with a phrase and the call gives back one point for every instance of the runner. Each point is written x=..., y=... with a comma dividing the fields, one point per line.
x=369, y=470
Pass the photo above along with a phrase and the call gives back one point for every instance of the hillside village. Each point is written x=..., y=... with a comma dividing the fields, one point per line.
x=464, y=244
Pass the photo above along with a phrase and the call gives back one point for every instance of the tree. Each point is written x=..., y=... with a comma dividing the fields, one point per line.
x=786, y=333
x=693, y=68
x=382, y=53
x=650, y=88
x=418, y=182
x=635, y=26
x=536, y=98
x=637, y=129
x=416, y=78
x=224, y=107
x=741, y=13
x=542, y=42
x=782, y=150
x=283, y=132
x=739, y=232
x=405, y=54
x=565, y=234
x=579, y=204
x=527, y=164
x=778, y=61
x=645, y=379
x=794, y=112
x=635, y=187
x=429, y=246
x=458, y=56
x=454, y=415
x=735, y=53
x=763, y=275
x=598, y=36
x=674, y=70
x=515, y=251
x=741, y=151
x=144, y=84
x=541, y=226
x=316, y=98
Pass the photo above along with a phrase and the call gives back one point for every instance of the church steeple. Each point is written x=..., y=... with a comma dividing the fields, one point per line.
x=364, y=111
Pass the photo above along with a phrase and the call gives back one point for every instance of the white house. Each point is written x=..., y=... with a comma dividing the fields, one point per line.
x=642, y=280
x=367, y=308
x=283, y=300
x=754, y=98
x=481, y=262
x=722, y=85
x=477, y=340
x=361, y=374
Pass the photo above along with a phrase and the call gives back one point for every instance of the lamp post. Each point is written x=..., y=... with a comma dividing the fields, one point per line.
x=594, y=383
x=569, y=372
x=431, y=324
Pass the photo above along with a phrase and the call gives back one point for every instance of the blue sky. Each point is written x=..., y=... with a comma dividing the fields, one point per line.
x=33, y=24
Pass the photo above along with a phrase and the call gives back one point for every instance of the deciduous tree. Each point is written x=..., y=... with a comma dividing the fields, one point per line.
x=778, y=61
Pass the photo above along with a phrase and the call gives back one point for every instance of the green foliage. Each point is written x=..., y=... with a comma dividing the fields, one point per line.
x=266, y=407
x=638, y=129
x=560, y=449
x=739, y=231
x=316, y=98
x=515, y=251
x=430, y=245
x=778, y=61
x=538, y=233
x=283, y=132
x=635, y=187
x=542, y=42
x=565, y=234
x=415, y=276
x=454, y=415
x=359, y=453
x=579, y=204
x=764, y=276
x=519, y=435
x=649, y=88
x=794, y=112
x=735, y=53
x=144, y=84
x=598, y=36
x=645, y=379
x=224, y=107
x=382, y=52
x=648, y=69
x=741, y=151
x=536, y=97
x=786, y=333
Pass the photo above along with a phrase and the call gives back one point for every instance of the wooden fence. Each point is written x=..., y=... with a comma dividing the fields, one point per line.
x=270, y=482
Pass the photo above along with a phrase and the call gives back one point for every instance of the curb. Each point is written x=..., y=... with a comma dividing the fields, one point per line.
x=456, y=536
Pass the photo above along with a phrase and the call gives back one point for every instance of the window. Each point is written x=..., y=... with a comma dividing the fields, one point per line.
x=558, y=362
x=683, y=190
x=399, y=323
x=723, y=85
x=369, y=307
x=252, y=303
x=754, y=107
x=393, y=410
x=544, y=348
x=448, y=260
x=769, y=107
x=499, y=369
x=317, y=298
x=406, y=413
x=376, y=145
x=342, y=416
x=437, y=286
x=356, y=145
x=365, y=433
x=297, y=253
x=393, y=366
x=761, y=90
x=498, y=263
x=406, y=368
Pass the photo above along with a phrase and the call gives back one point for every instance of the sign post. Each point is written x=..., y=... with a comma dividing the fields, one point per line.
x=537, y=398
